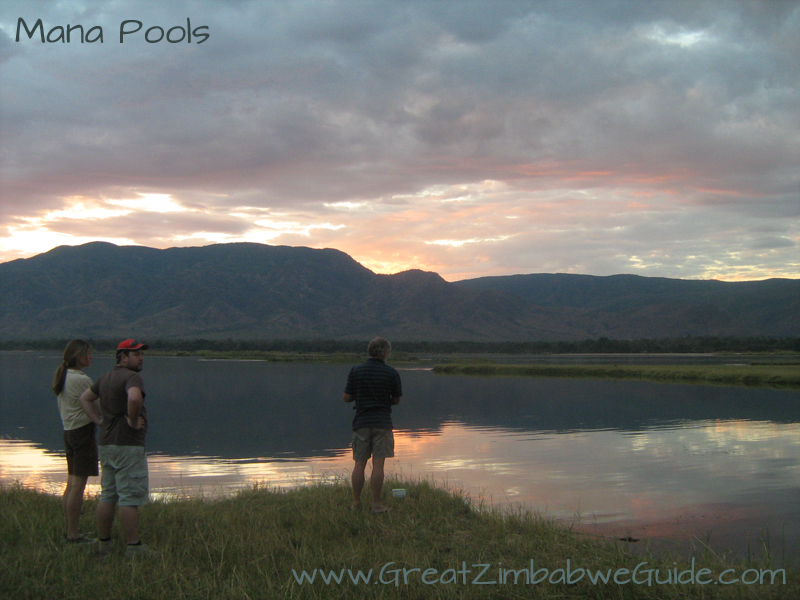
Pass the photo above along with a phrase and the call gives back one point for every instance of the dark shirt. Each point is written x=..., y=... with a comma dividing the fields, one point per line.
x=113, y=391
x=372, y=385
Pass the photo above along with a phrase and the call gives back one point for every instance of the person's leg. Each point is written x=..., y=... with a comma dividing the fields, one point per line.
x=64, y=503
x=376, y=484
x=107, y=503
x=382, y=448
x=132, y=488
x=129, y=517
x=69, y=452
x=357, y=479
x=73, y=501
x=362, y=450
x=81, y=453
x=105, y=518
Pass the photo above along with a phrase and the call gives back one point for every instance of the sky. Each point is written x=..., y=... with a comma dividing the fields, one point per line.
x=659, y=138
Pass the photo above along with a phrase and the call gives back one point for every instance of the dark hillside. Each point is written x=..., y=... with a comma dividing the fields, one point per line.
x=626, y=306
x=254, y=291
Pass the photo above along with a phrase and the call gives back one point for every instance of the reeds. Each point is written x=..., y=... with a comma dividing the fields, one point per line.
x=778, y=376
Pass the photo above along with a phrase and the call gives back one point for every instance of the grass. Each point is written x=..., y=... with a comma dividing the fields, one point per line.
x=275, y=356
x=256, y=543
x=769, y=375
x=265, y=355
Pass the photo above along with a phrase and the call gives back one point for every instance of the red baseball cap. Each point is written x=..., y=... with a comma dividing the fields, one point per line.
x=131, y=345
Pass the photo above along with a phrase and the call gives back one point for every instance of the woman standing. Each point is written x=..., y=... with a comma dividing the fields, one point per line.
x=79, y=432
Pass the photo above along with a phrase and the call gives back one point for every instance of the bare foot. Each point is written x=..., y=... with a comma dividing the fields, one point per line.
x=378, y=509
x=355, y=506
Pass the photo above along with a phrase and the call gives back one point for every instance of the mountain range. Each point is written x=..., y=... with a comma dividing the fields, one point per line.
x=256, y=291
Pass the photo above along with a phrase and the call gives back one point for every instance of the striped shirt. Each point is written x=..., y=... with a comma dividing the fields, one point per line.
x=372, y=385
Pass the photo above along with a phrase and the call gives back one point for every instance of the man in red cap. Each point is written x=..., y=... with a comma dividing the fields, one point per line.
x=123, y=429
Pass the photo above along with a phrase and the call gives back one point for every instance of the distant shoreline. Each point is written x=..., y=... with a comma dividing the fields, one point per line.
x=782, y=371
x=694, y=345
x=782, y=375
x=676, y=366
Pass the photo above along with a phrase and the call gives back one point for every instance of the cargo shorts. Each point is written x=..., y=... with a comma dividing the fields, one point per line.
x=369, y=441
x=124, y=480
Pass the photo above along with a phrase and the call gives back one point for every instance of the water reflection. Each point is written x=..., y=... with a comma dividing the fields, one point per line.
x=618, y=458
x=712, y=477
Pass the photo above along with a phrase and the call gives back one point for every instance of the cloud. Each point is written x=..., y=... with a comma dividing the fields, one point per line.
x=658, y=138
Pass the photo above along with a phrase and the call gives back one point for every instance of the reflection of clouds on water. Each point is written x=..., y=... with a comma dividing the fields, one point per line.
x=32, y=466
x=171, y=476
x=623, y=480
x=707, y=472
x=620, y=456
x=593, y=473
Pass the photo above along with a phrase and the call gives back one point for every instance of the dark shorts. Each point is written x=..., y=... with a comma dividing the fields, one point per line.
x=81, y=447
x=368, y=441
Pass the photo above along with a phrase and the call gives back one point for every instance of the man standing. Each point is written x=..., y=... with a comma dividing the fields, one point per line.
x=123, y=428
x=373, y=387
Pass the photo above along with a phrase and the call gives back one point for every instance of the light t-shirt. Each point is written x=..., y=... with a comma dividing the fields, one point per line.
x=72, y=414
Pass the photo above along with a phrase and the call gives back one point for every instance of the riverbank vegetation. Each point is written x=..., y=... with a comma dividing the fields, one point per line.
x=770, y=375
x=305, y=543
x=682, y=345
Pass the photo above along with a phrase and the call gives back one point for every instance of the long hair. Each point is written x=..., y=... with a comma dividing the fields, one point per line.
x=75, y=349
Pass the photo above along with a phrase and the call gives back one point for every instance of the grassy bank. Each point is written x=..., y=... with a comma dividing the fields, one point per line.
x=257, y=543
x=773, y=375
x=270, y=356
x=267, y=356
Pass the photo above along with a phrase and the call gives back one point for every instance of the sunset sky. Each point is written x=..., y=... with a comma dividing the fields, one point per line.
x=468, y=138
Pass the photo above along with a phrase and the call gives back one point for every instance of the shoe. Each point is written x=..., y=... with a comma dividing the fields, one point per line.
x=82, y=540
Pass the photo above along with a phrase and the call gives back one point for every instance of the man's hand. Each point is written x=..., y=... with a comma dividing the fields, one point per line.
x=139, y=422
x=348, y=398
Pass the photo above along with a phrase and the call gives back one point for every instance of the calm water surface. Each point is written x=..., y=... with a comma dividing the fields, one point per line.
x=659, y=462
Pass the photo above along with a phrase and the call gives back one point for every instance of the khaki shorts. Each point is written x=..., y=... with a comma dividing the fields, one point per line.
x=124, y=479
x=367, y=442
x=81, y=450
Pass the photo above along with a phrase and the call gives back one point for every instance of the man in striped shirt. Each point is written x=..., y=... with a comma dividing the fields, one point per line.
x=374, y=387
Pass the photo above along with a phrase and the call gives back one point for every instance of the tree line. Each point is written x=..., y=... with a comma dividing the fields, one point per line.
x=682, y=345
